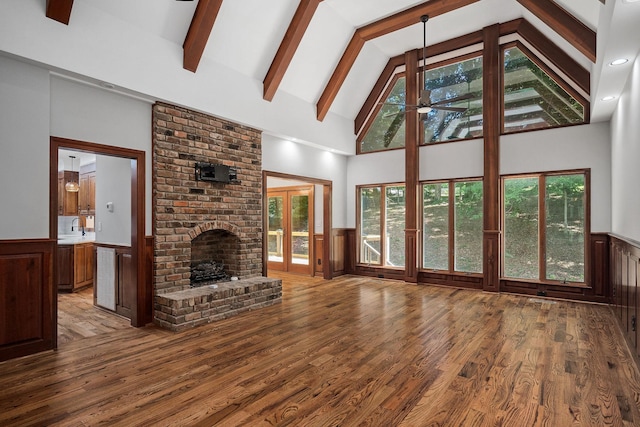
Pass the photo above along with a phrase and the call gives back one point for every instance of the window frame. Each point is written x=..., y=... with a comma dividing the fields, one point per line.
x=542, y=216
x=451, y=227
x=397, y=75
x=383, y=217
x=444, y=63
x=533, y=57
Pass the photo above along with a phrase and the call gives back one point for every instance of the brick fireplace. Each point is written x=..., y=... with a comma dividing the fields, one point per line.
x=203, y=219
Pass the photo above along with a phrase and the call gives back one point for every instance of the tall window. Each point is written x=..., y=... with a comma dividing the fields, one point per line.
x=545, y=227
x=382, y=225
x=532, y=97
x=452, y=218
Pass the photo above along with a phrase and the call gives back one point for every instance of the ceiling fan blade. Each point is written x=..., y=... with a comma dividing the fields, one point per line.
x=384, y=116
x=455, y=109
x=454, y=99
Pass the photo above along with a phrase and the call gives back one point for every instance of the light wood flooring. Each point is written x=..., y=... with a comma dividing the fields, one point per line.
x=78, y=318
x=348, y=352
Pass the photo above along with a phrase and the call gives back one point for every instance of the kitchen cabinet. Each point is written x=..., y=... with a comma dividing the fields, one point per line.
x=67, y=200
x=87, y=193
x=75, y=266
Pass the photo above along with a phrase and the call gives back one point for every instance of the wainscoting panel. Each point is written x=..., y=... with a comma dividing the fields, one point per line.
x=27, y=298
x=624, y=274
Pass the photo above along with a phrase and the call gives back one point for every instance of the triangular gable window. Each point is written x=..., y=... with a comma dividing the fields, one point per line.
x=532, y=97
x=388, y=128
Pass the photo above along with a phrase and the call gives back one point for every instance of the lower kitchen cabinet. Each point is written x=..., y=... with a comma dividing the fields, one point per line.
x=75, y=266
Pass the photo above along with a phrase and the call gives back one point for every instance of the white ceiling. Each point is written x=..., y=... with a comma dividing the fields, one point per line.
x=247, y=34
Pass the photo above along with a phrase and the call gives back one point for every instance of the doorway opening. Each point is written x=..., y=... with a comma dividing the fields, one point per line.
x=297, y=224
x=80, y=249
x=290, y=233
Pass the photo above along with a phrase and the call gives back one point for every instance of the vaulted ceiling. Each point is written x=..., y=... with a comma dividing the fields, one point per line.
x=329, y=54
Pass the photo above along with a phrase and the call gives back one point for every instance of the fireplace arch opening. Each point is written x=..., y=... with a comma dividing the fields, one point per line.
x=215, y=256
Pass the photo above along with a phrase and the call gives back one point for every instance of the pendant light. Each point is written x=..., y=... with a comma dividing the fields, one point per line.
x=72, y=185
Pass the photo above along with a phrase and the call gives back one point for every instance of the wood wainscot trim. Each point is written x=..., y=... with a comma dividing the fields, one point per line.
x=343, y=253
x=318, y=261
x=28, y=297
x=446, y=278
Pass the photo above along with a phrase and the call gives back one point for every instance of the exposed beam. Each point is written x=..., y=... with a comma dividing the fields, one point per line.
x=199, y=32
x=565, y=24
x=376, y=29
x=59, y=10
x=288, y=46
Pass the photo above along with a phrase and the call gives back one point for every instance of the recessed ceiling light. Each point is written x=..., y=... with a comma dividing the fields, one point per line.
x=609, y=98
x=630, y=1
x=619, y=61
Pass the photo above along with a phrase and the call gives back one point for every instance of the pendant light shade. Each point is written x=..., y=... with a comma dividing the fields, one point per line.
x=72, y=186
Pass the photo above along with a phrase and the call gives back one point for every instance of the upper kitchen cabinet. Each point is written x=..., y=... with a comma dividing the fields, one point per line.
x=67, y=200
x=87, y=193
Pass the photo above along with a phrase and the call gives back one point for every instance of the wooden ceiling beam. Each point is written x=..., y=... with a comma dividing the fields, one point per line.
x=59, y=10
x=199, y=32
x=298, y=26
x=565, y=24
x=376, y=29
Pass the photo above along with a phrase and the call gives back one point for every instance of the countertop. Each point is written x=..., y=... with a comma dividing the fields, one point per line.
x=76, y=239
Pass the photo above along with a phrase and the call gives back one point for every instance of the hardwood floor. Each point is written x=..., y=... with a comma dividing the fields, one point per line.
x=348, y=352
x=79, y=318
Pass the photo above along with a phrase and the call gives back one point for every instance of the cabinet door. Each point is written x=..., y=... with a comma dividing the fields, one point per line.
x=65, y=268
x=92, y=193
x=80, y=262
x=83, y=194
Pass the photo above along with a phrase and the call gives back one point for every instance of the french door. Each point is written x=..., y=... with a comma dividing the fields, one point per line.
x=290, y=212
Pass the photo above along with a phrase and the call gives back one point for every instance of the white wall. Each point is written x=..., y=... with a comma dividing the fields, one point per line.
x=113, y=185
x=24, y=144
x=625, y=160
x=462, y=159
x=573, y=147
x=92, y=114
x=281, y=155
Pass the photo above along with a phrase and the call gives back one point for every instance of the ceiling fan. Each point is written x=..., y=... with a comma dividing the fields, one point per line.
x=425, y=104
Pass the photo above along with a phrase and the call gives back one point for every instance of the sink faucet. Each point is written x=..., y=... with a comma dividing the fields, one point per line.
x=81, y=226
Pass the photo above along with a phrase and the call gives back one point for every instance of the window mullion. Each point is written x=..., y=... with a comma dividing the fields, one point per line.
x=542, y=226
x=383, y=225
x=452, y=238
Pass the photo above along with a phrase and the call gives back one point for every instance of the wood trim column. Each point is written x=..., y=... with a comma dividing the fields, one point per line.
x=412, y=169
x=492, y=112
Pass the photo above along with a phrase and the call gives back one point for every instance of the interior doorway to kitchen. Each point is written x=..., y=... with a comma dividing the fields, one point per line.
x=129, y=266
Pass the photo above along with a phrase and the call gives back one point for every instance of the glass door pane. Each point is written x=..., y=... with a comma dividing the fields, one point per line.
x=276, y=231
x=299, y=229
